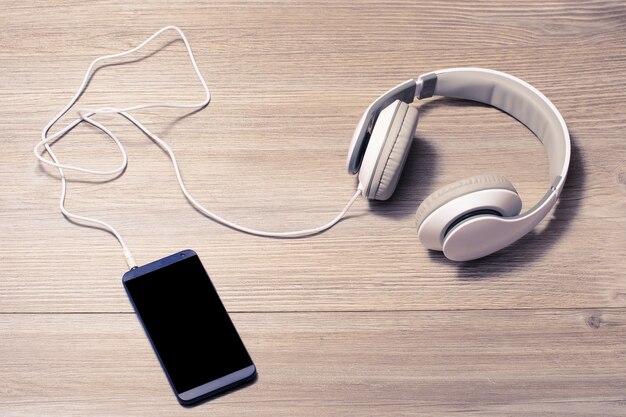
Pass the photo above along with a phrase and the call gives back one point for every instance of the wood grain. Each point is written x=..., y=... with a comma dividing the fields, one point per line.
x=333, y=321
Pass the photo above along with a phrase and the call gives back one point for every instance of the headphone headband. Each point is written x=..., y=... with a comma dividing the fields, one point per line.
x=513, y=96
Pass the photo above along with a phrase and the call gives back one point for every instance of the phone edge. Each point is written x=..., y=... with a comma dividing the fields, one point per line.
x=159, y=263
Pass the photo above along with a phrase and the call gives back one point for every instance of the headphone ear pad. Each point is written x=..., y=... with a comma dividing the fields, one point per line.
x=394, y=153
x=478, y=195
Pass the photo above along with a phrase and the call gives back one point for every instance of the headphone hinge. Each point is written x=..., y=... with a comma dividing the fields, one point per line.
x=429, y=82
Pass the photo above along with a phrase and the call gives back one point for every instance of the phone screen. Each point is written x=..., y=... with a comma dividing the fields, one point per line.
x=188, y=326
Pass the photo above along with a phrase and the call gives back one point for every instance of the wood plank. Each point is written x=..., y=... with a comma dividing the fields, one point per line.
x=566, y=362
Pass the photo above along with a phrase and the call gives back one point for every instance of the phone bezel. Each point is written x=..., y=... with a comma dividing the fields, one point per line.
x=207, y=389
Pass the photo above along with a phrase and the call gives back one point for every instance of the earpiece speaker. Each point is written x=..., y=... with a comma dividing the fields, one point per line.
x=388, y=150
x=447, y=207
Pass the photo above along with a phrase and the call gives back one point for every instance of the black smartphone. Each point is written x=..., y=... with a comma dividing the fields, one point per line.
x=188, y=326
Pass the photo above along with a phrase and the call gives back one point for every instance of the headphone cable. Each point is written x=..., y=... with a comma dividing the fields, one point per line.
x=85, y=115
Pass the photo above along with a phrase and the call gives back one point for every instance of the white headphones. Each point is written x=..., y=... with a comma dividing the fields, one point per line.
x=476, y=216
x=467, y=220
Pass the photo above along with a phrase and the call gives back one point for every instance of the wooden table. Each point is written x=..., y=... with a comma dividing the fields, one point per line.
x=357, y=321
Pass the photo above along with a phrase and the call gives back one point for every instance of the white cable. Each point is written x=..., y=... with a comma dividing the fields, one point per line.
x=85, y=116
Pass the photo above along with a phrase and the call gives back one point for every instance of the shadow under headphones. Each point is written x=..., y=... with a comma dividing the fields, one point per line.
x=476, y=216
x=466, y=220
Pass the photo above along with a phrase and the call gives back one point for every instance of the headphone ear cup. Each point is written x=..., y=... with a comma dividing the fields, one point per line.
x=396, y=130
x=392, y=169
x=450, y=205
